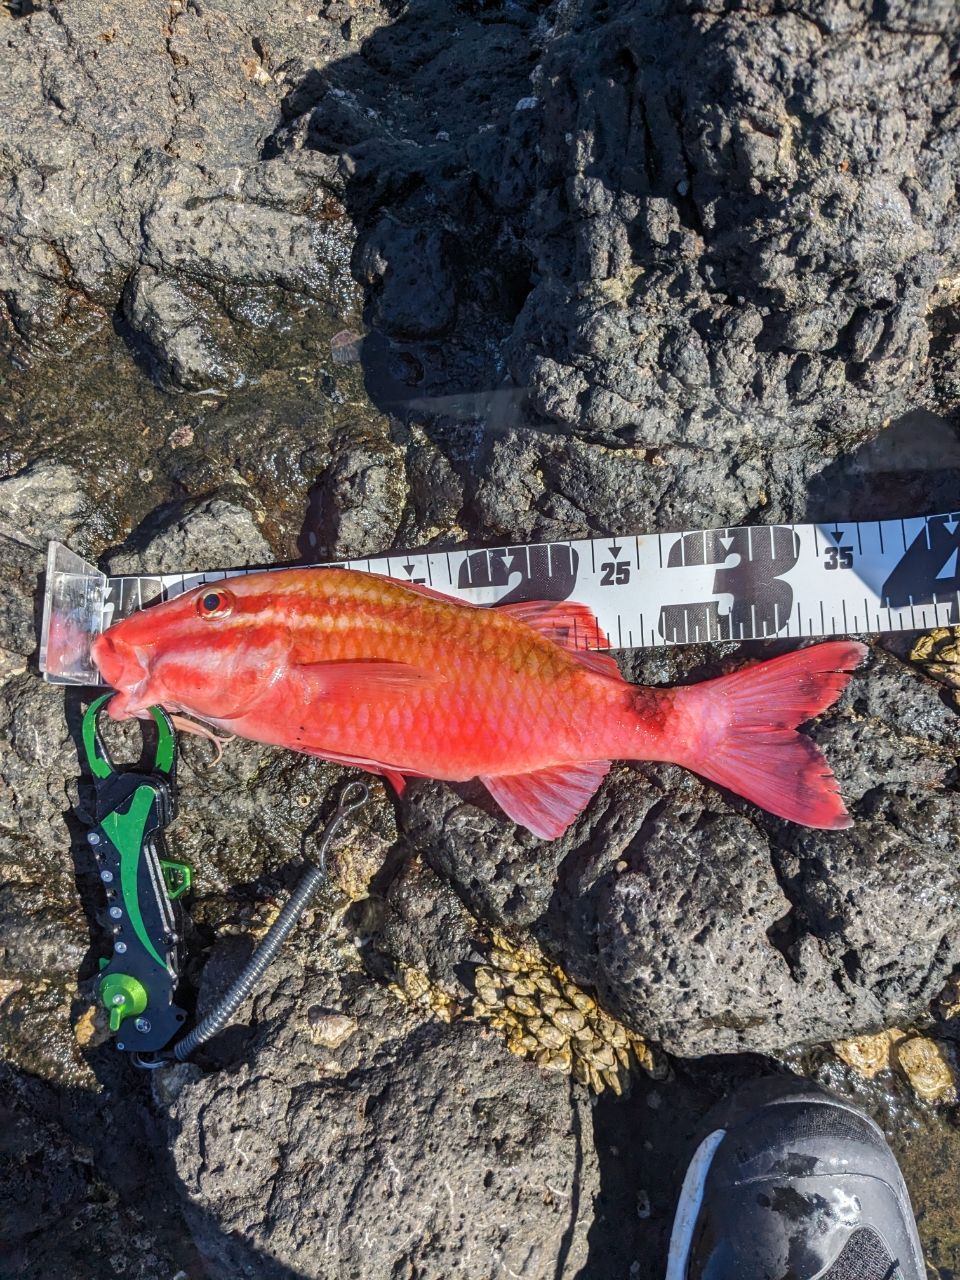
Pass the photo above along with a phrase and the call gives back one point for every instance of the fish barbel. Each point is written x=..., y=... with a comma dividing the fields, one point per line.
x=402, y=681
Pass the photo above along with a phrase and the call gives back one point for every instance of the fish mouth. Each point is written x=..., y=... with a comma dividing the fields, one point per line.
x=121, y=665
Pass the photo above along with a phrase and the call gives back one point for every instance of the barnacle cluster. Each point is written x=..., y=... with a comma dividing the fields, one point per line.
x=938, y=653
x=543, y=1015
x=868, y=1055
x=548, y=1018
x=929, y=1066
x=413, y=986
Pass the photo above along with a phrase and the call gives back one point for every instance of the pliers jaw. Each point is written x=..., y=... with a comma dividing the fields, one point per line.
x=142, y=887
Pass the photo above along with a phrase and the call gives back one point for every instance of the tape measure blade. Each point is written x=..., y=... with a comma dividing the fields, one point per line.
x=703, y=586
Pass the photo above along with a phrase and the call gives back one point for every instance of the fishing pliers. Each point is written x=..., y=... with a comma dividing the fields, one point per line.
x=143, y=887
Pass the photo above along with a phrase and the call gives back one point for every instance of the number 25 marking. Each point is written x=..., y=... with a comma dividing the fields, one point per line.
x=839, y=558
x=613, y=574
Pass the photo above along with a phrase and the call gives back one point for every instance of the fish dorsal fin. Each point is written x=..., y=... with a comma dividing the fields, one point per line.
x=365, y=676
x=548, y=800
x=569, y=625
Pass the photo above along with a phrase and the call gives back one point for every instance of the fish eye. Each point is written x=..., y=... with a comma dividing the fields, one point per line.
x=214, y=604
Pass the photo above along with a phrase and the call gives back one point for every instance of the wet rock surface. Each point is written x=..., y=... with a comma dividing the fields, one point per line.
x=599, y=268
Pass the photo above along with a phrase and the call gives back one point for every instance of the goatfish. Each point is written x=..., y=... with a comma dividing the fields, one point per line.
x=404, y=682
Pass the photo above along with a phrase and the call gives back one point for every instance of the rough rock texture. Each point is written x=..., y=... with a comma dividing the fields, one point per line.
x=712, y=927
x=405, y=1148
x=197, y=535
x=599, y=268
x=745, y=235
x=134, y=172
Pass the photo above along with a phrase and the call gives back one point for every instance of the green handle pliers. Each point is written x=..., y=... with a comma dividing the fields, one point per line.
x=142, y=887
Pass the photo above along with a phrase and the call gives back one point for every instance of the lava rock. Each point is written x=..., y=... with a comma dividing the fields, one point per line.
x=42, y=929
x=452, y=1147
x=689, y=291
x=212, y=533
x=174, y=329
x=716, y=248
x=421, y=923
x=711, y=927
x=413, y=288
x=43, y=502
x=20, y=570
x=138, y=148
x=355, y=508
x=91, y=1156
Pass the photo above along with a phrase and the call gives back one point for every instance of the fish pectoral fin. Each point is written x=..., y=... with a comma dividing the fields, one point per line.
x=547, y=801
x=570, y=625
x=363, y=675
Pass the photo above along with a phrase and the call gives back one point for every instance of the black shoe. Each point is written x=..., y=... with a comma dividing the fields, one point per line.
x=793, y=1183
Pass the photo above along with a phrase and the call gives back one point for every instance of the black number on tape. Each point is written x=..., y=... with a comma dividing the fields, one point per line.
x=839, y=558
x=761, y=602
x=614, y=575
x=533, y=573
x=929, y=568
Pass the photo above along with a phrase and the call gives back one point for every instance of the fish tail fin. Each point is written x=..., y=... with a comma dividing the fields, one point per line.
x=745, y=735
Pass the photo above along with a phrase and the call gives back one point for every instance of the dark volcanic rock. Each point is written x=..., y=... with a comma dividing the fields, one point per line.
x=695, y=295
x=213, y=533
x=404, y=1147
x=414, y=291
x=355, y=508
x=664, y=265
x=712, y=927
x=136, y=148
x=87, y=1162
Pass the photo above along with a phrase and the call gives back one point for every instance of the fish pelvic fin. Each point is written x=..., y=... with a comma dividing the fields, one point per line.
x=745, y=735
x=396, y=780
x=547, y=801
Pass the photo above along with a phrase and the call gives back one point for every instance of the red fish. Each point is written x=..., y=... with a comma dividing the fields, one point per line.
x=404, y=682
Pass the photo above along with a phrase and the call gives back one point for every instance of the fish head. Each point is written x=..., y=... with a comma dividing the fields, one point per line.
x=211, y=653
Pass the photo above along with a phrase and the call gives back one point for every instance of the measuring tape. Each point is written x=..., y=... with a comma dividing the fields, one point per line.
x=789, y=581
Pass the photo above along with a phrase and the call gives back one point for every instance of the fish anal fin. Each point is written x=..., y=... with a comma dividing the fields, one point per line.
x=547, y=801
x=600, y=663
x=572, y=626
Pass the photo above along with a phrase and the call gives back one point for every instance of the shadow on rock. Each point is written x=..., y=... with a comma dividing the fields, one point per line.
x=432, y=127
x=84, y=1191
x=643, y=1142
x=86, y=1187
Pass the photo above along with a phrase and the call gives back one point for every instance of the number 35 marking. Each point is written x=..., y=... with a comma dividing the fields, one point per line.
x=839, y=558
